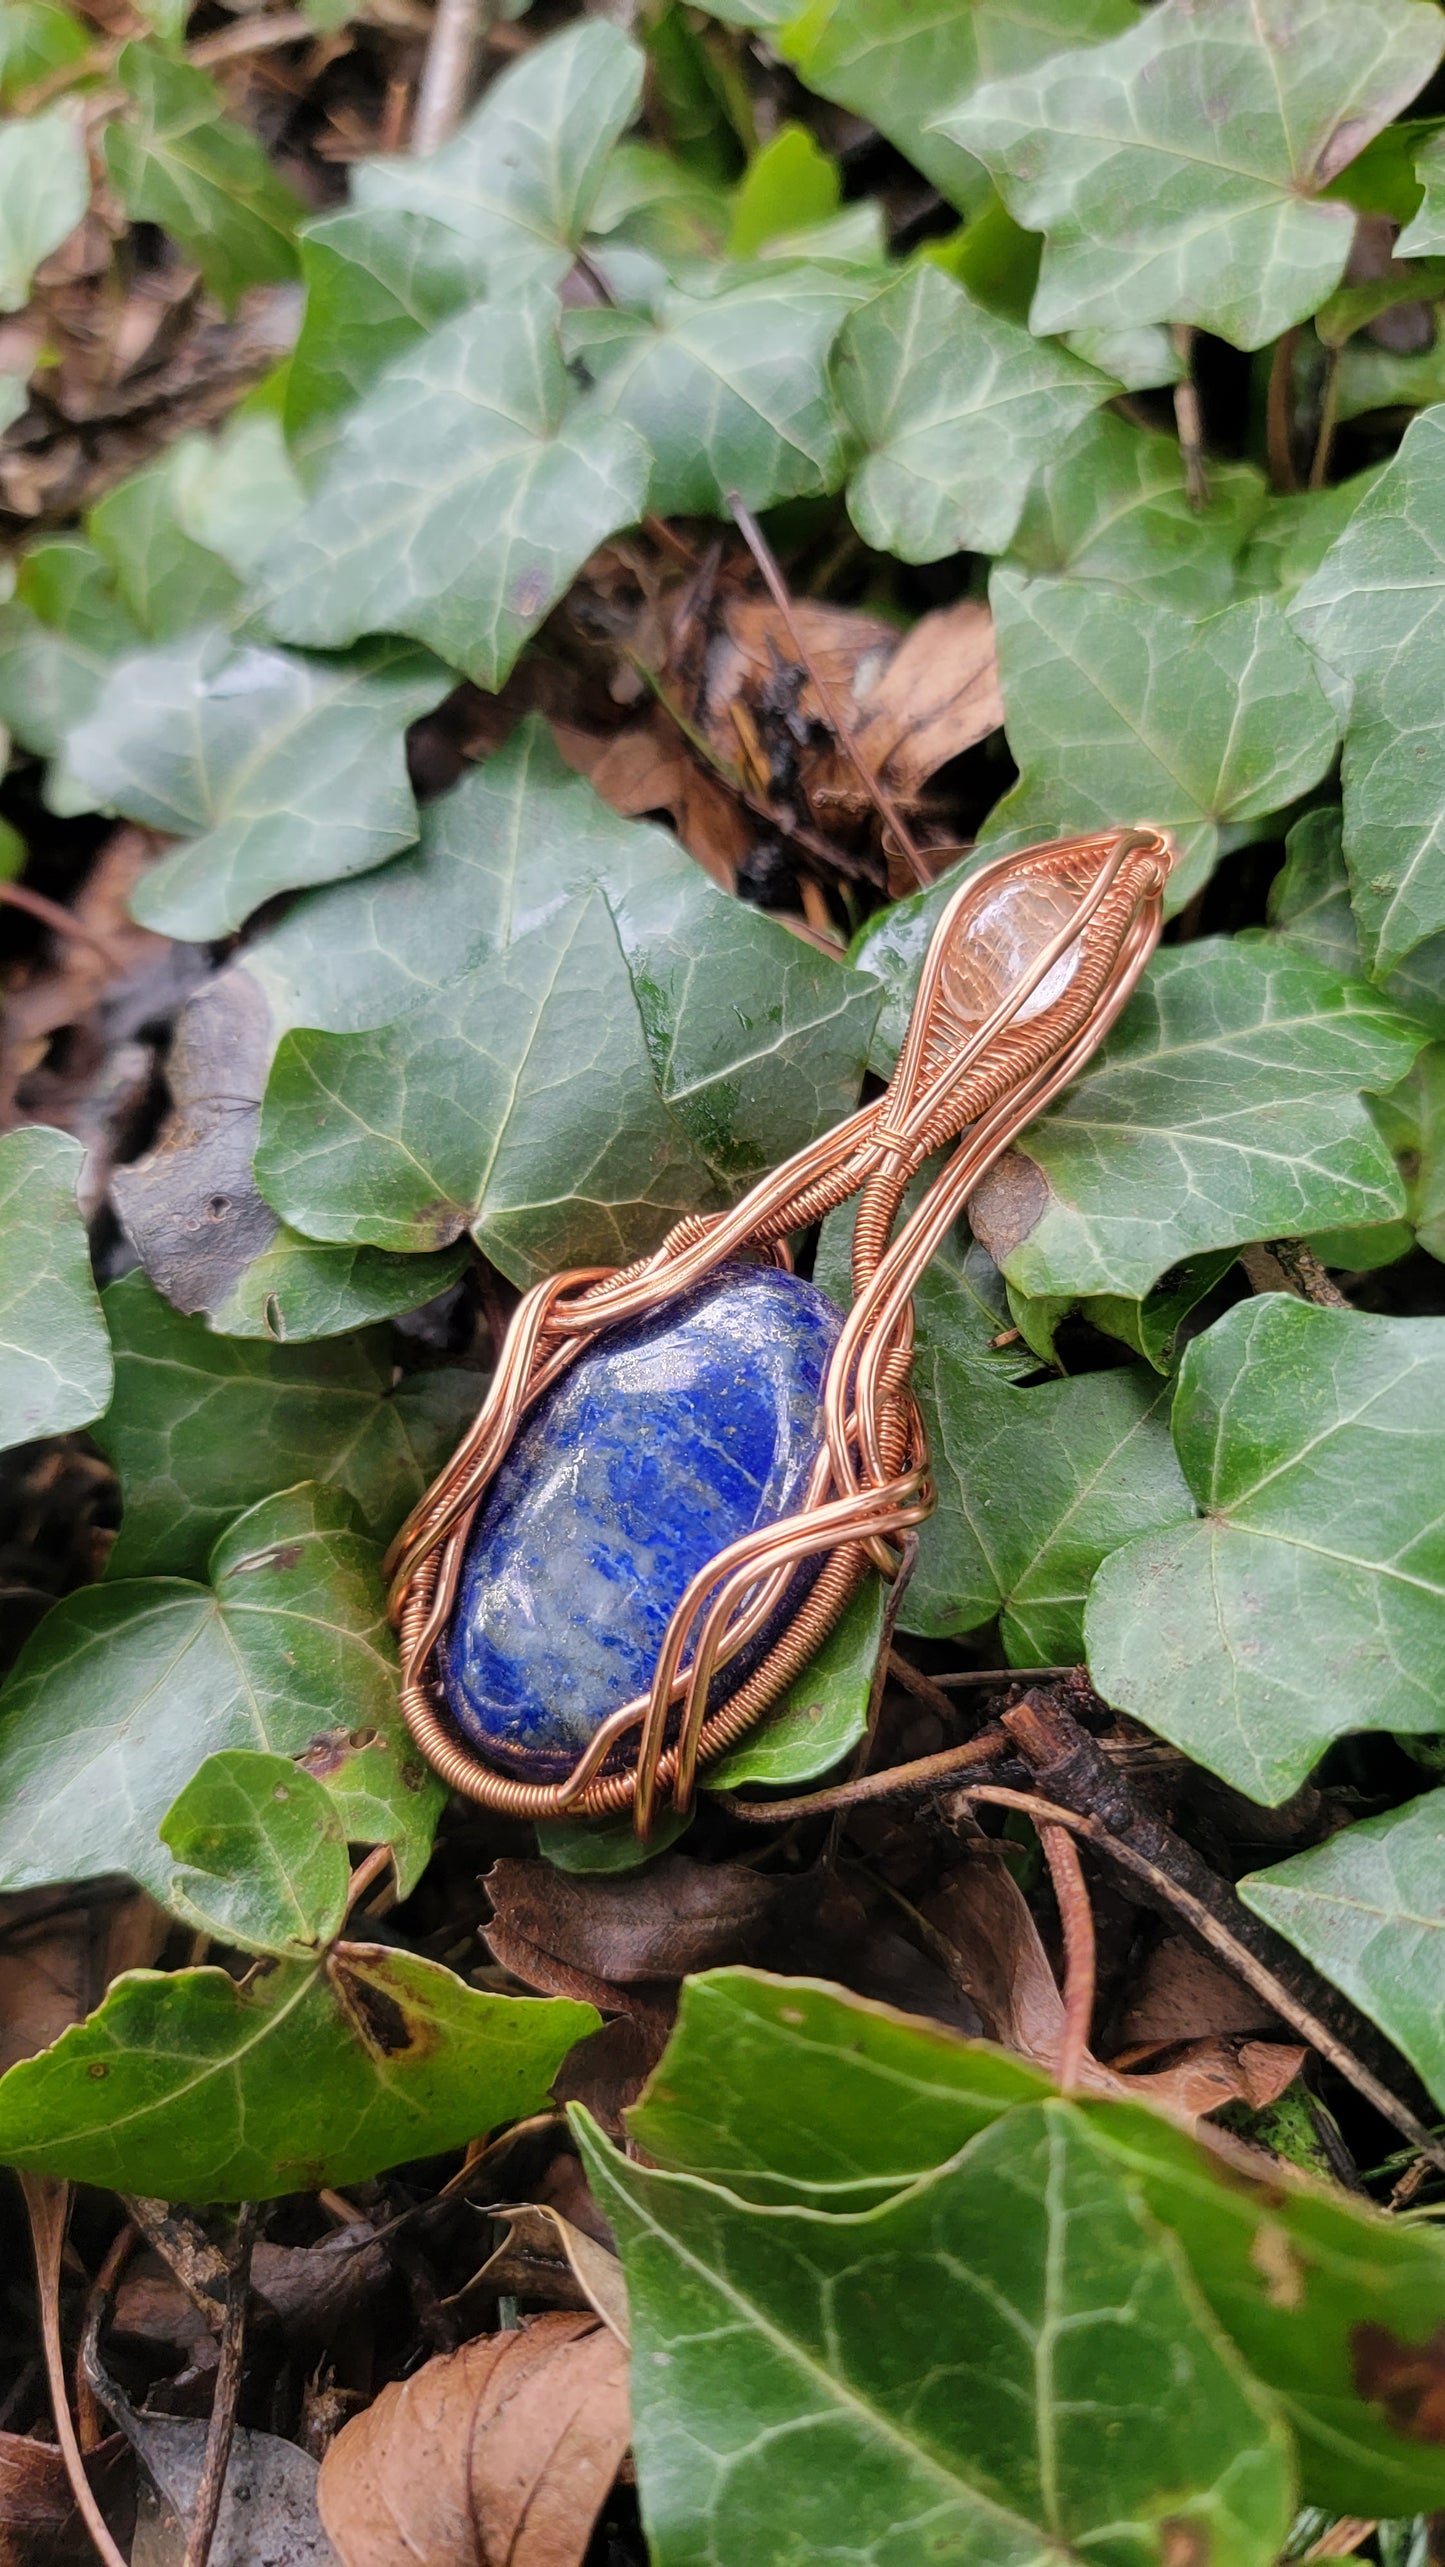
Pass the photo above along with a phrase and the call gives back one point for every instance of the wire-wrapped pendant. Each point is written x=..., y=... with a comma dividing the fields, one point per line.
x=1029, y=965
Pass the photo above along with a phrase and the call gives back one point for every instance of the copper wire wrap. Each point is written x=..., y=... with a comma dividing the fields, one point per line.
x=958, y=1078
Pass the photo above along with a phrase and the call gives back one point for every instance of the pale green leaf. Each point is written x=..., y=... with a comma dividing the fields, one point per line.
x=1309, y=904
x=1425, y=235
x=518, y=180
x=59, y=635
x=788, y=185
x=194, y=2087
x=1375, y=613
x=824, y=1712
x=375, y=284
x=1112, y=504
x=127, y=1686
x=955, y=409
x=1309, y=1598
x=1176, y=172
x=1368, y=1908
x=461, y=497
x=44, y=191
x=1120, y=710
x=277, y=771
x=166, y=577
x=729, y=387
x=55, y=1360
x=180, y=161
x=260, y=1855
x=202, y=1426
x=36, y=38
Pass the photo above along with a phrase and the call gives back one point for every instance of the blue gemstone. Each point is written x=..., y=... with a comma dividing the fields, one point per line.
x=668, y=1439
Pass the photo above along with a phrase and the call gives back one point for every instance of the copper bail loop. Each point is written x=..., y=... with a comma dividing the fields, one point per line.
x=989, y=1042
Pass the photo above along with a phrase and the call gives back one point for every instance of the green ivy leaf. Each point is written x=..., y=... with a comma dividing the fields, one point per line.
x=44, y=191
x=181, y=162
x=166, y=577
x=824, y=1712
x=236, y=492
x=1375, y=613
x=1309, y=904
x=376, y=283
x=817, y=2381
x=955, y=408
x=202, y=1426
x=461, y=497
x=518, y=180
x=59, y=636
x=1111, y=504
x=127, y=1686
x=1116, y=706
x=1309, y=1598
x=1176, y=172
x=1425, y=235
x=55, y=1362
x=35, y=39
x=294, y=1290
x=785, y=2091
x=278, y=771
x=642, y=1046
x=894, y=65
x=260, y=1855
x=729, y=387
x=193, y=2087
x=1368, y=1908
x=1224, y=1107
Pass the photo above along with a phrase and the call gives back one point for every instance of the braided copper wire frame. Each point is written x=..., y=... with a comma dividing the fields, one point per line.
x=954, y=1077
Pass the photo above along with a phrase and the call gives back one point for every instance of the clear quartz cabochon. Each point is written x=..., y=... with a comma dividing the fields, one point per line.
x=997, y=945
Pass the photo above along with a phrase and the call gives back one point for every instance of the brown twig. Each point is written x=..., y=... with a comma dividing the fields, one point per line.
x=1076, y=1916
x=1279, y=413
x=446, y=72
x=922, y=1687
x=18, y=895
x=102, y=2291
x=1287, y=1265
x=998, y=1676
x=259, y=36
x=842, y=728
x=369, y=1869
x=1235, y=1954
x=228, y=2390
x=926, y=1774
x=47, y=2205
x=1329, y=415
x=1188, y=418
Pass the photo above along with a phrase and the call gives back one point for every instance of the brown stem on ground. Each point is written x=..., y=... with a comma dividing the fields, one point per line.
x=368, y=1870
x=929, y=1773
x=48, y=2206
x=102, y=2291
x=1076, y=1916
x=1188, y=418
x=1287, y=1265
x=1279, y=413
x=833, y=713
x=1329, y=415
x=18, y=895
x=228, y=2390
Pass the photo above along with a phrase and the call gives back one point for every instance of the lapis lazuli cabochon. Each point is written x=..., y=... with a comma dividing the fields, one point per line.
x=664, y=1442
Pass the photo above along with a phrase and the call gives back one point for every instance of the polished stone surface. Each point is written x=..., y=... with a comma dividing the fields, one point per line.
x=669, y=1439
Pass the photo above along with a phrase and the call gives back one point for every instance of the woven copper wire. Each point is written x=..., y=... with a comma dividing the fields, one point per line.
x=984, y=1083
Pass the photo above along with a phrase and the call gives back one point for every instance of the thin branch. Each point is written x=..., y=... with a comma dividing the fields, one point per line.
x=999, y=1676
x=1279, y=413
x=258, y=35
x=1188, y=419
x=228, y=2390
x=446, y=73
x=925, y=1775
x=368, y=1870
x=1076, y=1916
x=1329, y=415
x=1236, y=1955
x=61, y=922
x=101, y=2293
x=48, y=2206
x=914, y=1681
x=1287, y=1265
x=842, y=728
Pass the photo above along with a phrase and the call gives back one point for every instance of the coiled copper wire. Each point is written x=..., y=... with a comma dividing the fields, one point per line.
x=984, y=1082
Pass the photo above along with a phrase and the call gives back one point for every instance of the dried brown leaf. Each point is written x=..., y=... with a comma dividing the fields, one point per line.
x=648, y=768
x=39, y=2523
x=627, y=1939
x=498, y=2455
x=59, y=1955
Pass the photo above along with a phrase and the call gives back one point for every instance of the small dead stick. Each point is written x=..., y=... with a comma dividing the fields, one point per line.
x=446, y=72
x=1279, y=413
x=1236, y=1955
x=48, y=2206
x=833, y=713
x=18, y=895
x=1287, y=1265
x=228, y=2390
x=1189, y=420
x=102, y=2291
x=1076, y=1916
x=929, y=1773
